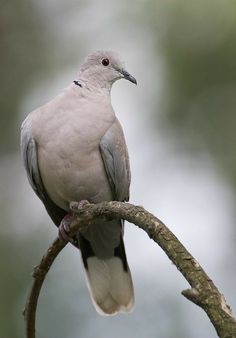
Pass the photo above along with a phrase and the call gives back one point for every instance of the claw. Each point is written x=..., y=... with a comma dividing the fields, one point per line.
x=75, y=206
x=82, y=204
x=64, y=227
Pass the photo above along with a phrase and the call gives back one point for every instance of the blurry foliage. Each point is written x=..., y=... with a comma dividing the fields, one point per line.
x=24, y=54
x=197, y=40
x=17, y=260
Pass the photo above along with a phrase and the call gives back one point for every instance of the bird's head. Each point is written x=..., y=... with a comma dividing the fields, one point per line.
x=102, y=69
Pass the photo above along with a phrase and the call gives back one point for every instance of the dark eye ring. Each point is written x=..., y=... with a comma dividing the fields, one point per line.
x=105, y=62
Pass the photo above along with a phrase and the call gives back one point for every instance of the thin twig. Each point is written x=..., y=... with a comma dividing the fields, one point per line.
x=203, y=292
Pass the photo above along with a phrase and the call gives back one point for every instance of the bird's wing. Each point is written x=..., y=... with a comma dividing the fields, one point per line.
x=30, y=157
x=104, y=257
x=116, y=161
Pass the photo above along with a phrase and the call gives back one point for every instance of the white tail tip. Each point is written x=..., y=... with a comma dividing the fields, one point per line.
x=110, y=285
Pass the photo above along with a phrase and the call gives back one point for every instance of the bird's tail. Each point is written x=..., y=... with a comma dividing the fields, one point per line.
x=109, y=280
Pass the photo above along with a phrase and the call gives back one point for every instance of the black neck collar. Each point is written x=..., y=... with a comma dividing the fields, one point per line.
x=78, y=83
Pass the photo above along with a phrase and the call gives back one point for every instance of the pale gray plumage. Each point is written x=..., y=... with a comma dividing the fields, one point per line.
x=74, y=149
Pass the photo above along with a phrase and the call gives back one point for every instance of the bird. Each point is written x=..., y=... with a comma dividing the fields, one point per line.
x=74, y=149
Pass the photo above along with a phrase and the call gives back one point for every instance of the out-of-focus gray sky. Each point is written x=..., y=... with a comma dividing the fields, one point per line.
x=179, y=124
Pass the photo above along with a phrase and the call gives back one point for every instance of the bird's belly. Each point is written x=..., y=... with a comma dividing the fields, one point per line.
x=68, y=179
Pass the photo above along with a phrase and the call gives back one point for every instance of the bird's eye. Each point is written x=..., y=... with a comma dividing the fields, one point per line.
x=105, y=62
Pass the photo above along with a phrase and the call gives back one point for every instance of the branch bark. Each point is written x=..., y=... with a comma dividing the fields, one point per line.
x=203, y=292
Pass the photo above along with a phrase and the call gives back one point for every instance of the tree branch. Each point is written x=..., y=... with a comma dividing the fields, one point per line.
x=203, y=292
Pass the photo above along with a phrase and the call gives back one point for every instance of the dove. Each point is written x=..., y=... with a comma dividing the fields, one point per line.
x=74, y=149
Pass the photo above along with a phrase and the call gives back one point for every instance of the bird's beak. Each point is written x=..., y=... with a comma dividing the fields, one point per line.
x=127, y=76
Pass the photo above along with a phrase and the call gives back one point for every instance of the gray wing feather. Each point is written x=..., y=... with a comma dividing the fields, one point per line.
x=105, y=238
x=30, y=157
x=116, y=161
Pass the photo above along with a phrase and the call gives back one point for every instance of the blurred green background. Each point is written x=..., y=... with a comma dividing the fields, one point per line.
x=180, y=128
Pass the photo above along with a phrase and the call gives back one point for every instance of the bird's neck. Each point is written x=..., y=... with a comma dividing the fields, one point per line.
x=95, y=83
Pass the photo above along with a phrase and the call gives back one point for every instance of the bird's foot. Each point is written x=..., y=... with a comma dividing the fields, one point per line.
x=64, y=228
x=76, y=206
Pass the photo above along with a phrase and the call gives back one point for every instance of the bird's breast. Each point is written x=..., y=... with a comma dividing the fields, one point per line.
x=69, y=158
